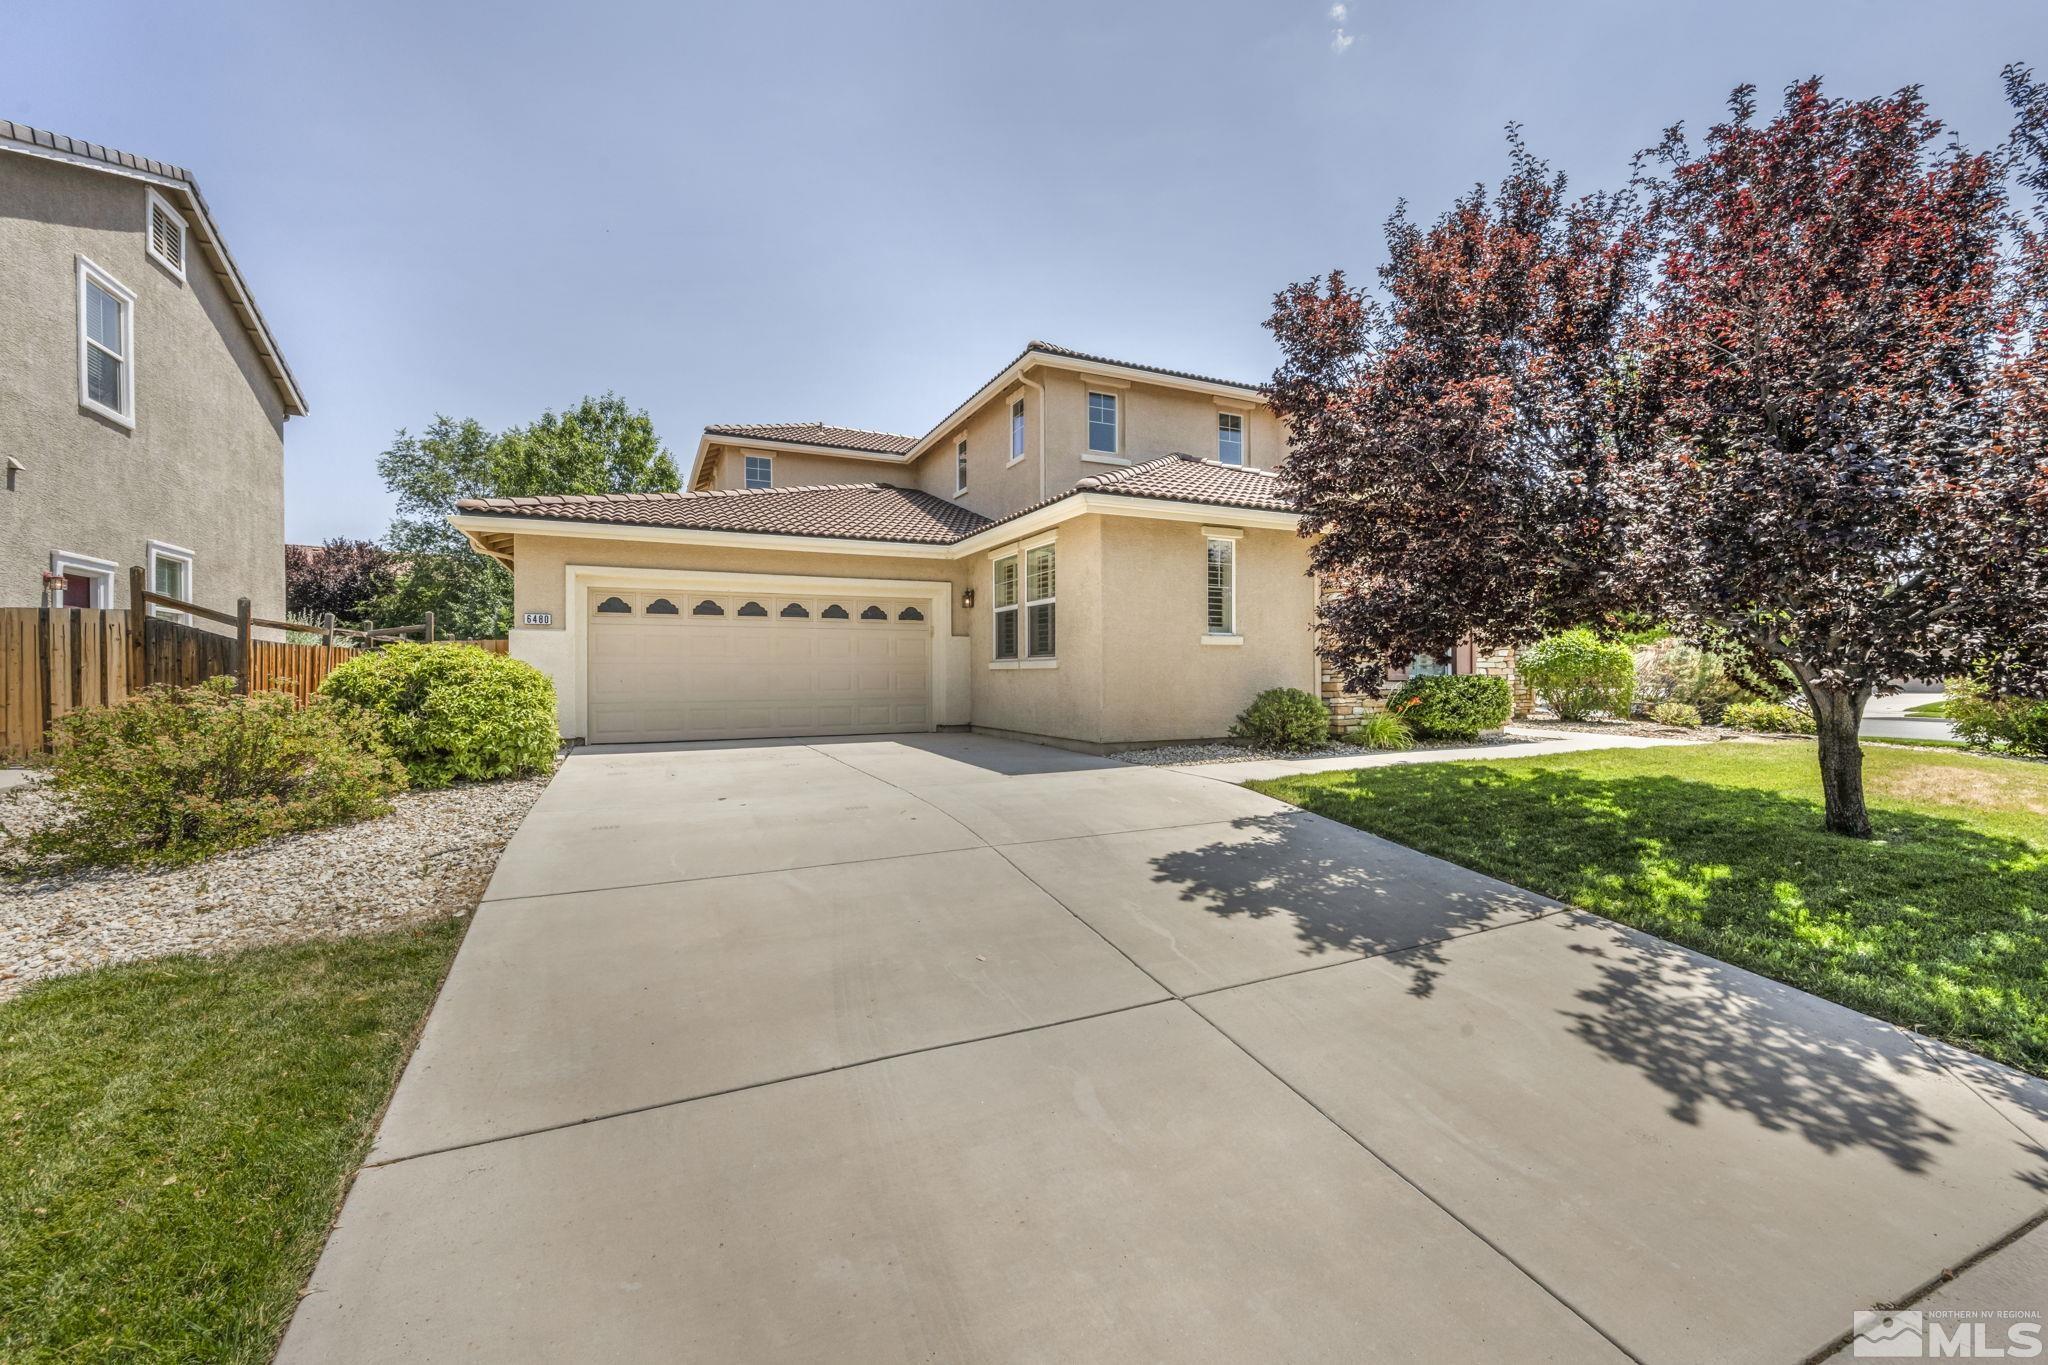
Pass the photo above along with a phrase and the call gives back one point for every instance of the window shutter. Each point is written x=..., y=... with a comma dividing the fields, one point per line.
x=167, y=236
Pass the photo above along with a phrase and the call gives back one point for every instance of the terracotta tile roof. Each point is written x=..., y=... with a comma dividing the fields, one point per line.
x=1184, y=478
x=818, y=434
x=240, y=299
x=854, y=511
x=1047, y=348
x=880, y=511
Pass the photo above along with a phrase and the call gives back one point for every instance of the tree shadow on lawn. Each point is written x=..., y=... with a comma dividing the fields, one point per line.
x=1939, y=928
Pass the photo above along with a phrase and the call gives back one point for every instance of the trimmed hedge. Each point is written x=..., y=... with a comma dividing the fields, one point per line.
x=1985, y=722
x=453, y=712
x=1284, y=718
x=1768, y=717
x=1676, y=713
x=1452, y=707
x=1578, y=674
x=180, y=773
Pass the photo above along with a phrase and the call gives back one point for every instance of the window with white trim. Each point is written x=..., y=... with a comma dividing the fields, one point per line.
x=163, y=233
x=1229, y=438
x=106, y=344
x=1430, y=666
x=1102, y=423
x=1039, y=638
x=1004, y=595
x=960, y=469
x=760, y=471
x=1016, y=431
x=1222, y=585
x=170, y=573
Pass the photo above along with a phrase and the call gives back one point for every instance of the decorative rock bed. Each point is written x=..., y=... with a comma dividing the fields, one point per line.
x=429, y=859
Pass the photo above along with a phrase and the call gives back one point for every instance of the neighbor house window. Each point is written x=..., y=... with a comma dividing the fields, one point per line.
x=1005, y=595
x=1102, y=433
x=960, y=469
x=106, y=344
x=1016, y=431
x=1038, y=603
x=1429, y=666
x=1229, y=438
x=760, y=471
x=170, y=574
x=1222, y=586
x=164, y=235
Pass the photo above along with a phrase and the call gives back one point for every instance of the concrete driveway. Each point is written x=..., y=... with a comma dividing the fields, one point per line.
x=945, y=1048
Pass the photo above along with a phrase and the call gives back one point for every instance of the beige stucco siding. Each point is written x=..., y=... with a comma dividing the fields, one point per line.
x=1161, y=682
x=1063, y=701
x=995, y=486
x=1156, y=421
x=203, y=467
x=797, y=469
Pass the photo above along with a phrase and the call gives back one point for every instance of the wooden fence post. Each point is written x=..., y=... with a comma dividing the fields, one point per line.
x=138, y=631
x=327, y=629
x=430, y=627
x=244, y=636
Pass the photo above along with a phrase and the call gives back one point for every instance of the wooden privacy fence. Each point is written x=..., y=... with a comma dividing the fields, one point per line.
x=56, y=660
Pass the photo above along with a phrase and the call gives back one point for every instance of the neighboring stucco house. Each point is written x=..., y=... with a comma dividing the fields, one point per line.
x=142, y=397
x=1086, y=551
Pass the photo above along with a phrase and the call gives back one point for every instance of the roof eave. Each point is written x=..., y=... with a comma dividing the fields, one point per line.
x=215, y=246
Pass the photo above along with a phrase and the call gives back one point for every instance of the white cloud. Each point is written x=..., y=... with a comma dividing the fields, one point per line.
x=1339, y=13
x=1341, y=40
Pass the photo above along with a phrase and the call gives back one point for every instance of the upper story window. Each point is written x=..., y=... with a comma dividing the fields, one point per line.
x=1222, y=586
x=760, y=471
x=960, y=469
x=164, y=235
x=1102, y=423
x=106, y=344
x=1016, y=431
x=1229, y=438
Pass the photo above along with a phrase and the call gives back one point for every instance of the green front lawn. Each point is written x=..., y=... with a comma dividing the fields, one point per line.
x=175, y=1137
x=1939, y=924
x=1929, y=708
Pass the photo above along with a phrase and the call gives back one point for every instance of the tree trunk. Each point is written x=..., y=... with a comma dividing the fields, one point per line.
x=1837, y=716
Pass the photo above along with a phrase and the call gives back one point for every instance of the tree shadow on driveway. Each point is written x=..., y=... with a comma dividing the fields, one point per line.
x=1938, y=927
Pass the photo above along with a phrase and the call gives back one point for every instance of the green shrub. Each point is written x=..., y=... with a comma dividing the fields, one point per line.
x=1676, y=713
x=1672, y=670
x=180, y=773
x=1983, y=721
x=1580, y=674
x=1284, y=718
x=1452, y=707
x=453, y=711
x=1383, y=732
x=1769, y=717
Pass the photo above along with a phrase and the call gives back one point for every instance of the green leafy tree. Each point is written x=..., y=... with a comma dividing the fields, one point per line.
x=598, y=446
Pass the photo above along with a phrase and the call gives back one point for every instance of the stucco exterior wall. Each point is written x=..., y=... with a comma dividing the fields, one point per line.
x=203, y=467
x=794, y=469
x=1156, y=421
x=1064, y=700
x=995, y=486
x=1161, y=681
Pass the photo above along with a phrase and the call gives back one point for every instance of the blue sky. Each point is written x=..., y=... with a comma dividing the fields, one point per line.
x=858, y=212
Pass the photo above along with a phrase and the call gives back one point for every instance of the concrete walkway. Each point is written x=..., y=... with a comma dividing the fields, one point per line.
x=1528, y=741
x=943, y=1048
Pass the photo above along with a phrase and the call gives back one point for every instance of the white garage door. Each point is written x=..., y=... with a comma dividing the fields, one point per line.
x=674, y=665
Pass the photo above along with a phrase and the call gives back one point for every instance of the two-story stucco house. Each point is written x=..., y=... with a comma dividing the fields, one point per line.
x=1086, y=551
x=142, y=397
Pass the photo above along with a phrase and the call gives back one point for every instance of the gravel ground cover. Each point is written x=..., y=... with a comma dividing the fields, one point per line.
x=429, y=859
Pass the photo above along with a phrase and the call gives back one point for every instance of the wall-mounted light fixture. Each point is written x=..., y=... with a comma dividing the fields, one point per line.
x=967, y=598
